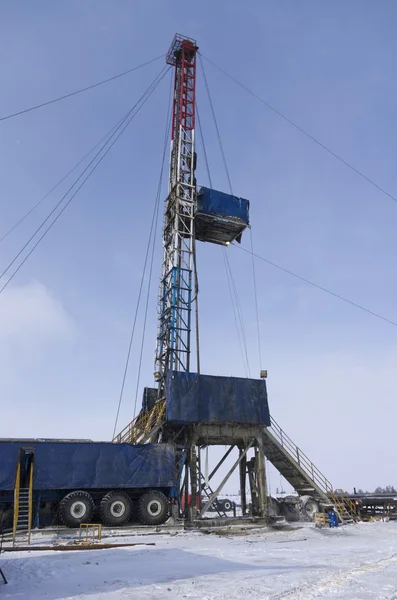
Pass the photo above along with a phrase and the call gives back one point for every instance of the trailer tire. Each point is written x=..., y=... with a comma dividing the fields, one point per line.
x=115, y=509
x=153, y=508
x=310, y=507
x=75, y=508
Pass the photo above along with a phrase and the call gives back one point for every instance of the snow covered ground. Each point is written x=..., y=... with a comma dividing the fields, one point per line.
x=300, y=563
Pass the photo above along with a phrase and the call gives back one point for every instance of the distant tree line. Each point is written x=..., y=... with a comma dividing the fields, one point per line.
x=389, y=489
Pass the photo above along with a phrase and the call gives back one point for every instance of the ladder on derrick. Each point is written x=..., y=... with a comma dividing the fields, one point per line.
x=302, y=473
x=199, y=483
x=207, y=492
x=23, y=499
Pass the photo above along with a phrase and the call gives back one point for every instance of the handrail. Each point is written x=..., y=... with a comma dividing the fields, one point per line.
x=141, y=426
x=344, y=504
x=16, y=501
x=30, y=501
x=301, y=458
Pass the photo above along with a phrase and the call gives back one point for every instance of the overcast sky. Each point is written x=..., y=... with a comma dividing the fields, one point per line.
x=65, y=321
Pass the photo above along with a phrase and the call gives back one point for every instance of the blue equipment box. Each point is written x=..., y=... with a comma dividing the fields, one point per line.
x=193, y=398
x=220, y=218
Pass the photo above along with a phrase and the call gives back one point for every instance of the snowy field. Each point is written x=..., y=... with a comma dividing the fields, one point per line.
x=351, y=562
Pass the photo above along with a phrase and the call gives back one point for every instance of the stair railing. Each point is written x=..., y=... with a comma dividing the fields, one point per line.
x=16, y=501
x=30, y=505
x=141, y=426
x=344, y=506
x=301, y=458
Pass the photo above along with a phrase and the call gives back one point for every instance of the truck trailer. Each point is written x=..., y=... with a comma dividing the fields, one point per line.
x=73, y=481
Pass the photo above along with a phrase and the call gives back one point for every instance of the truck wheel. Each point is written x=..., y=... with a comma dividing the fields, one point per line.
x=153, y=508
x=227, y=505
x=115, y=509
x=310, y=507
x=76, y=508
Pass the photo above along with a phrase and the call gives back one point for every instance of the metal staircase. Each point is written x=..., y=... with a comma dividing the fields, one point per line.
x=23, y=505
x=294, y=465
x=302, y=474
x=144, y=427
x=345, y=507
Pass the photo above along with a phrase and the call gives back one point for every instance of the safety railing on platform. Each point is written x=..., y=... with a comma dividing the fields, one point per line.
x=300, y=457
x=140, y=428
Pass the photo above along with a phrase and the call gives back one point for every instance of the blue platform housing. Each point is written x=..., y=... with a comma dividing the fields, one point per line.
x=90, y=465
x=193, y=398
x=220, y=218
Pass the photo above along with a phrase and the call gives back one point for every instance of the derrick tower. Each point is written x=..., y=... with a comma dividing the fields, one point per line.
x=176, y=285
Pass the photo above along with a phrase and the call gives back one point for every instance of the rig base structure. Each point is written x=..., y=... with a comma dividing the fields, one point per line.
x=197, y=493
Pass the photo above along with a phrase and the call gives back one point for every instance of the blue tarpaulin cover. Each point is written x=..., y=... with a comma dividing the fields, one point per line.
x=90, y=465
x=193, y=398
x=212, y=202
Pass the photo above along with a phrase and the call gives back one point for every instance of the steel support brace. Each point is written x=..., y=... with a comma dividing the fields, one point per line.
x=225, y=479
x=243, y=483
x=220, y=463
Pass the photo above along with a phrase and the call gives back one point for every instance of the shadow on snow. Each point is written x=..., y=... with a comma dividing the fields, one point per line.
x=61, y=575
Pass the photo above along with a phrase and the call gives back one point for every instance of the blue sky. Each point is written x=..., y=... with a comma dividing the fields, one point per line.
x=65, y=321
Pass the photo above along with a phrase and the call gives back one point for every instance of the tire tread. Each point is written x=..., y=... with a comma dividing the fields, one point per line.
x=78, y=493
x=144, y=517
x=107, y=519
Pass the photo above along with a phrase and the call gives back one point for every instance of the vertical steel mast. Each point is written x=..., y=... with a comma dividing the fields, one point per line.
x=175, y=297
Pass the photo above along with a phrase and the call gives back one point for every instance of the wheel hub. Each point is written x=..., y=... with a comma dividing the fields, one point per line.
x=154, y=508
x=117, y=508
x=78, y=509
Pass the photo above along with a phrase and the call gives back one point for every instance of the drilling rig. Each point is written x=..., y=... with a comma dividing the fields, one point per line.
x=159, y=454
x=191, y=410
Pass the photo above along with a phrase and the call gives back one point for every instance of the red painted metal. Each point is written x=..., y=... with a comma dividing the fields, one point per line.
x=182, y=55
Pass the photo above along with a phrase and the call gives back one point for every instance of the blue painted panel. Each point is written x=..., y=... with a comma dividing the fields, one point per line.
x=212, y=202
x=193, y=398
x=90, y=465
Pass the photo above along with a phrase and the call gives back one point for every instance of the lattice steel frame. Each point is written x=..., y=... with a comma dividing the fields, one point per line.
x=175, y=296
